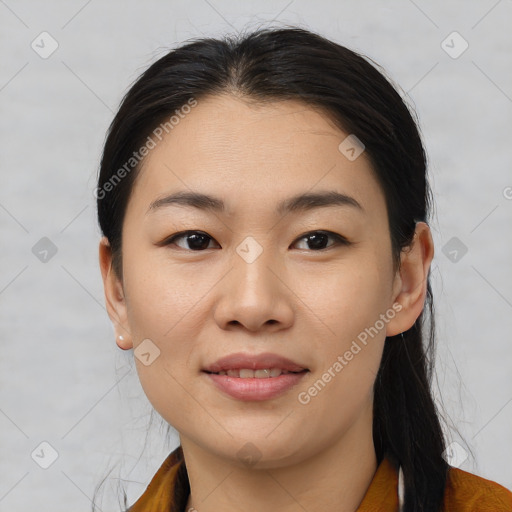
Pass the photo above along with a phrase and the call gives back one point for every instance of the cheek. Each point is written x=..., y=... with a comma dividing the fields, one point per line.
x=170, y=304
x=349, y=354
x=351, y=336
x=165, y=315
x=348, y=299
x=161, y=295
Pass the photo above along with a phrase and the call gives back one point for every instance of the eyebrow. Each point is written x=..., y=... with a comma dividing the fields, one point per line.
x=300, y=202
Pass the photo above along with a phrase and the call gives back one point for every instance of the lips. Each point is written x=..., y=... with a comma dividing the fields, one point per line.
x=247, y=373
x=256, y=362
x=258, y=377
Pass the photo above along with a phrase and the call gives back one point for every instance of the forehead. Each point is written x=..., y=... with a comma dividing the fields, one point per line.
x=254, y=153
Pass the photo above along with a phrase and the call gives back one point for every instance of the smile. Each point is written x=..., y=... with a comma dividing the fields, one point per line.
x=247, y=373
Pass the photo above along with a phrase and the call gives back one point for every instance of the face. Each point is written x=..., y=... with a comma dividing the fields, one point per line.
x=258, y=324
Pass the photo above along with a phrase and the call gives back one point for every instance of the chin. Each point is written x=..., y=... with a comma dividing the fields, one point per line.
x=265, y=451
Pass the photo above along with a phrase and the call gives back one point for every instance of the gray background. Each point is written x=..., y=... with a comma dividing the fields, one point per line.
x=62, y=378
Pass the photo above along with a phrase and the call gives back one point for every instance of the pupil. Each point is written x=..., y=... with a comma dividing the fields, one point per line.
x=317, y=240
x=199, y=241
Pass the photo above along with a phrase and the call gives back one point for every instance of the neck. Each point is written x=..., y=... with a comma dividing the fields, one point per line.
x=336, y=478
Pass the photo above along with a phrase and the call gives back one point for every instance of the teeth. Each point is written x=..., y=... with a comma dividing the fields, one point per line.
x=247, y=373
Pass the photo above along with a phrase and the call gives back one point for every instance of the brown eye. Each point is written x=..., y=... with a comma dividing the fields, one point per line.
x=196, y=240
x=317, y=240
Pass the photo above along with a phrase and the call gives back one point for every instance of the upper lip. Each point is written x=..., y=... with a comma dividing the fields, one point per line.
x=253, y=362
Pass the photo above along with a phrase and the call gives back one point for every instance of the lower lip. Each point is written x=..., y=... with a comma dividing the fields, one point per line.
x=253, y=389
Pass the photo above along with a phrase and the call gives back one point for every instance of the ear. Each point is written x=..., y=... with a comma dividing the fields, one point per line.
x=410, y=284
x=114, y=297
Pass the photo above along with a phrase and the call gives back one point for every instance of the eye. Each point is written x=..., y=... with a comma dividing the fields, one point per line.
x=317, y=239
x=197, y=240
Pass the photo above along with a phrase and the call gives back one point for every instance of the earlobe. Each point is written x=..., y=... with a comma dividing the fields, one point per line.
x=411, y=280
x=114, y=296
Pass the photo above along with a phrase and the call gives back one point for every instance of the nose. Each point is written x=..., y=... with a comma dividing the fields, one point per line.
x=255, y=296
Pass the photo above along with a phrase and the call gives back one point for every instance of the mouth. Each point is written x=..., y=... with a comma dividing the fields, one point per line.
x=264, y=364
x=254, y=378
x=248, y=373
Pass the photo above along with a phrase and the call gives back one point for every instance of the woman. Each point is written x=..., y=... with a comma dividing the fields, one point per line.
x=266, y=253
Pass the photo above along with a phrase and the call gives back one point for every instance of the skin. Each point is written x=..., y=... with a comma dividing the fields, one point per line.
x=294, y=300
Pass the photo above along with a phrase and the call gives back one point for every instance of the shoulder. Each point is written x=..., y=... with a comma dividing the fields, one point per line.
x=467, y=492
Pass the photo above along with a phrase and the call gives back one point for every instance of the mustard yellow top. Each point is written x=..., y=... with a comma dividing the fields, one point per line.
x=465, y=492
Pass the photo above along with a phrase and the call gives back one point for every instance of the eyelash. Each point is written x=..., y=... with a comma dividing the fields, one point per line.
x=339, y=240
